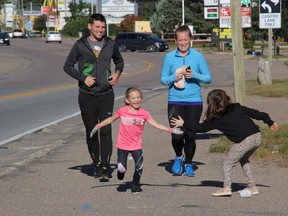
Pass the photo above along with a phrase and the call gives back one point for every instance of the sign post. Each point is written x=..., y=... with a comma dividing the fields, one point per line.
x=270, y=14
x=269, y=18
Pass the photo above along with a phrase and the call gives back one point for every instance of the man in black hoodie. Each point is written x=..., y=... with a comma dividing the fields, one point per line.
x=94, y=54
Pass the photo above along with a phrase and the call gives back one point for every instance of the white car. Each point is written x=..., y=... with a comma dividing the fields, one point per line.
x=53, y=36
x=17, y=33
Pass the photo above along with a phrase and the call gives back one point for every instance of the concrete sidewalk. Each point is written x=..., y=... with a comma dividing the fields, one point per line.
x=58, y=181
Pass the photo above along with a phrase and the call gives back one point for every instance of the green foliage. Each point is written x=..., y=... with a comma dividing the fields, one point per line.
x=73, y=27
x=275, y=142
x=194, y=15
x=40, y=23
x=77, y=10
x=279, y=88
x=222, y=145
x=147, y=10
x=248, y=44
x=274, y=145
x=78, y=21
x=114, y=29
x=167, y=16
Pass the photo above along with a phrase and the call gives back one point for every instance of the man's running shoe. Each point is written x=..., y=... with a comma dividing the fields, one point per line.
x=177, y=168
x=188, y=169
x=120, y=175
x=135, y=188
x=105, y=176
x=97, y=171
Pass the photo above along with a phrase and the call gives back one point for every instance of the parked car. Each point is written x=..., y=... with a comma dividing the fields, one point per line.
x=17, y=33
x=4, y=38
x=140, y=41
x=33, y=34
x=53, y=36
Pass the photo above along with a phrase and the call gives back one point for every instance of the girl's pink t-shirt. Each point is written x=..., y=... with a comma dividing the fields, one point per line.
x=131, y=128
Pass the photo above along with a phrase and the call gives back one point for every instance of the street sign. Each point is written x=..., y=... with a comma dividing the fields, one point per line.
x=211, y=12
x=225, y=13
x=270, y=14
x=210, y=2
x=246, y=13
x=225, y=17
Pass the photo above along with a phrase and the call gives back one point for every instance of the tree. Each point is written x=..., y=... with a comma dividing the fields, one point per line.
x=194, y=16
x=284, y=29
x=40, y=23
x=78, y=20
x=73, y=27
x=78, y=10
x=127, y=25
x=167, y=16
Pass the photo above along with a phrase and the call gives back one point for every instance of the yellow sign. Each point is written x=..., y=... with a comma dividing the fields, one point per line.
x=223, y=33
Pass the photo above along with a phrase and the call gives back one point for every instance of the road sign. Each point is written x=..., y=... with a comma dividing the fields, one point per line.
x=210, y=2
x=270, y=14
x=211, y=12
x=225, y=13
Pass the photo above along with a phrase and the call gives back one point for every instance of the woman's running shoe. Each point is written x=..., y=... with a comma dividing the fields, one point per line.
x=177, y=167
x=188, y=170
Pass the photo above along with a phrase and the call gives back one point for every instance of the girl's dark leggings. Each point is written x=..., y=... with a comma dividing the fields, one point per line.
x=138, y=159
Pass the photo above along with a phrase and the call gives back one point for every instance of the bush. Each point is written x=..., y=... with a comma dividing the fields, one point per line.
x=73, y=27
x=247, y=44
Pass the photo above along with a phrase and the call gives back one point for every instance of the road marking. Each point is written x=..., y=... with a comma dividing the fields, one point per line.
x=25, y=94
x=149, y=67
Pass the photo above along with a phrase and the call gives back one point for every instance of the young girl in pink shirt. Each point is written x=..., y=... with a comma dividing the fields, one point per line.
x=131, y=128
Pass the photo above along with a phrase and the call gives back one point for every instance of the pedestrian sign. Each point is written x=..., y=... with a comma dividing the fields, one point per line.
x=270, y=14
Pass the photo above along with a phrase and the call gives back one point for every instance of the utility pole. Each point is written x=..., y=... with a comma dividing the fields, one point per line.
x=183, y=13
x=238, y=57
x=22, y=17
x=270, y=54
x=92, y=11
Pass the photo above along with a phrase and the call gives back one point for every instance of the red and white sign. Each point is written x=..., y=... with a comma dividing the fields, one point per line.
x=45, y=10
x=225, y=13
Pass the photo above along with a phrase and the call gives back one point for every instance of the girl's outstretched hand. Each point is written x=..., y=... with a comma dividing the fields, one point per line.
x=177, y=122
x=95, y=129
x=274, y=127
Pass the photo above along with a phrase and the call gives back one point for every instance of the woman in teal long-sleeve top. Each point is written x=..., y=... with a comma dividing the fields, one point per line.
x=186, y=101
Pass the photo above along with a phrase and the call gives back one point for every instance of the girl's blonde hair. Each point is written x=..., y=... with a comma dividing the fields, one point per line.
x=132, y=89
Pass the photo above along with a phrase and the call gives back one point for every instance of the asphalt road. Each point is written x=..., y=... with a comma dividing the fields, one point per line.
x=57, y=178
x=35, y=92
x=48, y=172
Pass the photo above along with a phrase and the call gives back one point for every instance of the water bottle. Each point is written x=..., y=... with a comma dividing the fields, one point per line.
x=246, y=193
